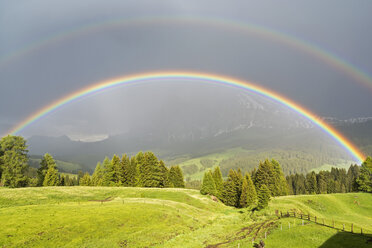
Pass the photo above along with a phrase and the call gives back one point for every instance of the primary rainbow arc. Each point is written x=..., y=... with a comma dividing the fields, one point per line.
x=211, y=78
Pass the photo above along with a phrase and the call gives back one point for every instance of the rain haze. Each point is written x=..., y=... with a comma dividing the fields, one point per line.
x=51, y=49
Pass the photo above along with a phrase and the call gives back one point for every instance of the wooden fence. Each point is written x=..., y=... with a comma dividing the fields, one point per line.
x=349, y=227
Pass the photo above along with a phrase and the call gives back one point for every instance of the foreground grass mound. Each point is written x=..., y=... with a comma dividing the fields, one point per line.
x=336, y=210
x=143, y=217
x=103, y=217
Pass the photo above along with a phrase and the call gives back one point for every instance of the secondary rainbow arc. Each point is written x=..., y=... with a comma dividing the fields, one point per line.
x=211, y=78
x=261, y=31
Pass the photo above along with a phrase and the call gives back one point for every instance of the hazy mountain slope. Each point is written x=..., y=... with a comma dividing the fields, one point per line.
x=195, y=125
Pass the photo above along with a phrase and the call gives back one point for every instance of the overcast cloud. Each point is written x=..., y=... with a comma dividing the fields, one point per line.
x=34, y=79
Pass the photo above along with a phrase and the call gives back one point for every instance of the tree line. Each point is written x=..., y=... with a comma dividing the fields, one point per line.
x=141, y=170
x=254, y=189
x=356, y=178
x=146, y=170
x=251, y=190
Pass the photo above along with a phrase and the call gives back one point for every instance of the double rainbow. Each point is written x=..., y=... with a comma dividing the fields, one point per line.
x=208, y=78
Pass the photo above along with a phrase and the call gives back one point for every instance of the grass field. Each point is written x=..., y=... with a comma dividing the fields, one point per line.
x=215, y=157
x=140, y=217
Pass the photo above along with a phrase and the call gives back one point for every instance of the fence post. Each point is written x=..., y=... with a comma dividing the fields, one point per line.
x=352, y=227
x=265, y=235
x=302, y=222
x=287, y=214
x=315, y=219
x=308, y=217
x=281, y=214
x=294, y=214
x=301, y=216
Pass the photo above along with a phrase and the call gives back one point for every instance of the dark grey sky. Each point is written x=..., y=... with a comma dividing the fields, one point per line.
x=32, y=80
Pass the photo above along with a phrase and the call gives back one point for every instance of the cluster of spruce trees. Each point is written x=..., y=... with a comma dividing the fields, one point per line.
x=141, y=170
x=251, y=190
x=356, y=178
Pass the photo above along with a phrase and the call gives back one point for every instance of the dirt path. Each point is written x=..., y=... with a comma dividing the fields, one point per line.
x=246, y=231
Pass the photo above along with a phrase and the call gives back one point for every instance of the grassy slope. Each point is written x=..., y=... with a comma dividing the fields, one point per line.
x=215, y=157
x=139, y=217
x=218, y=157
x=342, y=208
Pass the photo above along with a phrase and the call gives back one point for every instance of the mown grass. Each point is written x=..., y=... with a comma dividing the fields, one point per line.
x=142, y=217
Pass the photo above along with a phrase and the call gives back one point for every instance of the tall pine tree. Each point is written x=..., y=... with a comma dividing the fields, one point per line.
x=109, y=173
x=365, y=177
x=251, y=191
x=280, y=183
x=51, y=177
x=13, y=161
x=263, y=197
x=208, y=185
x=176, y=177
x=98, y=174
x=218, y=181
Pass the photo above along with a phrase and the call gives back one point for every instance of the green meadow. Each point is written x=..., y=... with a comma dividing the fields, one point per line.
x=150, y=217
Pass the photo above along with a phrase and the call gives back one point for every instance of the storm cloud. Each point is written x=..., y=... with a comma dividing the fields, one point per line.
x=33, y=78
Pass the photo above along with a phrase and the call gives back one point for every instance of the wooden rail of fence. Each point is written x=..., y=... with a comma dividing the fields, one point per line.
x=319, y=221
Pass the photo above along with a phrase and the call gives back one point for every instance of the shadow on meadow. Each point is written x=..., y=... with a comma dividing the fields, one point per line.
x=346, y=240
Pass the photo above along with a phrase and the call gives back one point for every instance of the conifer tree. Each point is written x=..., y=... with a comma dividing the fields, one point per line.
x=176, y=177
x=85, y=180
x=229, y=194
x=98, y=174
x=322, y=182
x=68, y=181
x=150, y=171
x=208, y=185
x=311, y=183
x=109, y=173
x=218, y=181
x=51, y=177
x=45, y=163
x=365, y=177
x=238, y=178
x=290, y=184
x=263, y=197
x=331, y=186
x=251, y=191
x=231, y=191
x=352, y=175
x=62, y=181
x=13, y=161
x=299, y=184
x=265, y=175
x=117, y=175
x=165, y=182
x=243, y=202
x=140, y=169
x=280, y=183
x=125, y=170
x=133, y=174
x=80, y=174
